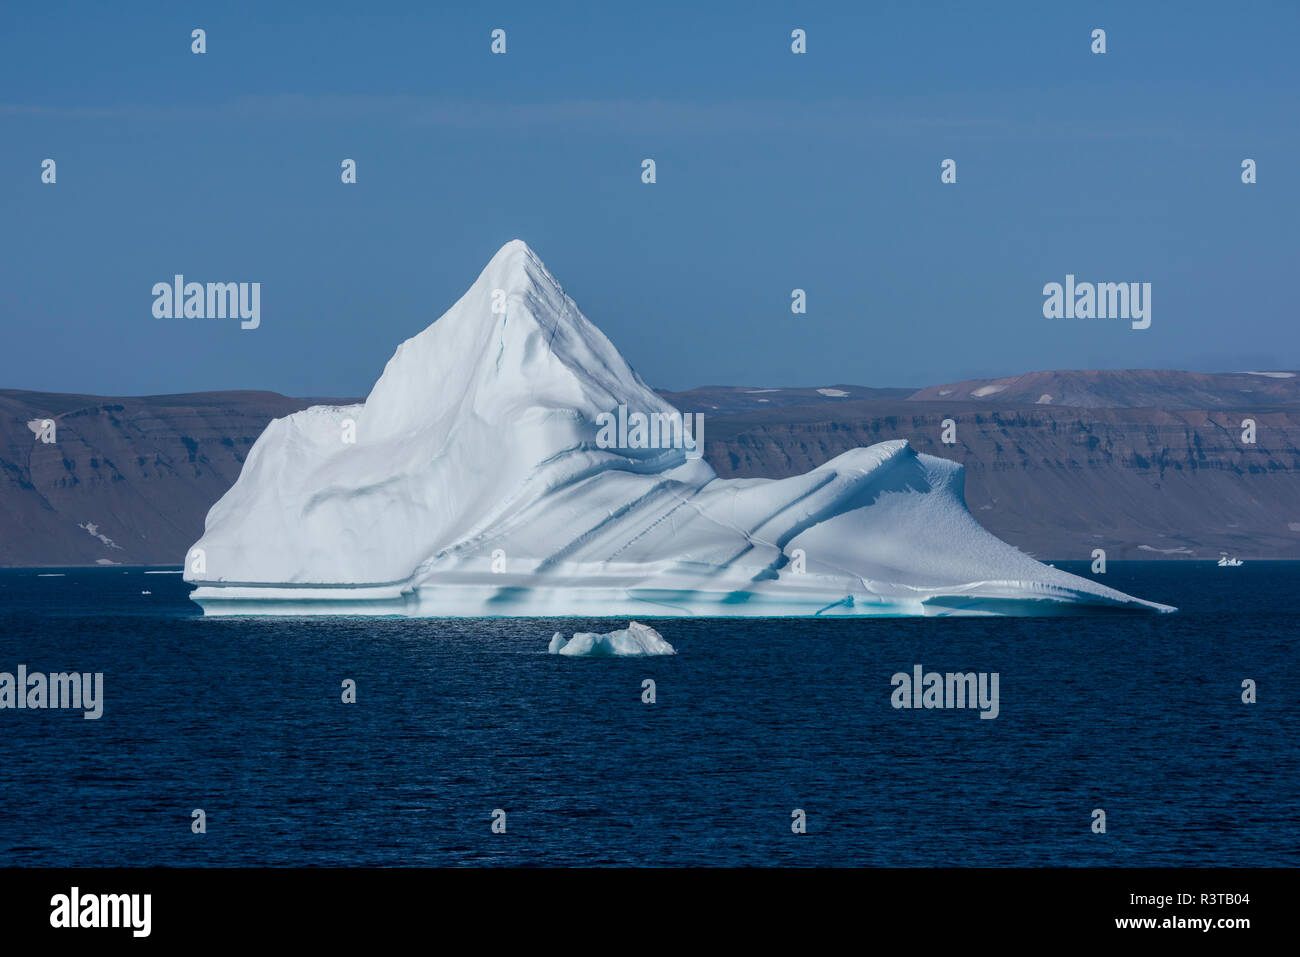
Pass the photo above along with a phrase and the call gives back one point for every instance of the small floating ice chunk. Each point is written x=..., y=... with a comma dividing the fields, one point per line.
x=633, y=641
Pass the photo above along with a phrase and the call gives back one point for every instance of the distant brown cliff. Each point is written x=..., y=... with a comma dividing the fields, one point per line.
x=1140, y=483
x=130, y=480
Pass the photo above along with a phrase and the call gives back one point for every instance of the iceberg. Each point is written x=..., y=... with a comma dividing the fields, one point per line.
x=636, y=640
x=475, y=481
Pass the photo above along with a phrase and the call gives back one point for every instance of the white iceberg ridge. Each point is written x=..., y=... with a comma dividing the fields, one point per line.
x=635, y=640
x=471, y=483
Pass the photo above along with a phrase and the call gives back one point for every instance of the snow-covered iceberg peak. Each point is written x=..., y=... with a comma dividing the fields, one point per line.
x=476, y=480
x=512, y=345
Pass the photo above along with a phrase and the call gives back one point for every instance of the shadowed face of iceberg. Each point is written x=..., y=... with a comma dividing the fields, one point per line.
x=474, y=481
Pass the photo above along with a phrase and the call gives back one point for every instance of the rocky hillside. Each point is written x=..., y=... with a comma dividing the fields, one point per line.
x=1059, y=482
x=1127, y=389
x=126, y=480
x=1144, y=464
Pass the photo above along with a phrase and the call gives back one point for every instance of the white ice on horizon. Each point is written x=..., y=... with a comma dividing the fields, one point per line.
x=636, y=640
x=476, y=488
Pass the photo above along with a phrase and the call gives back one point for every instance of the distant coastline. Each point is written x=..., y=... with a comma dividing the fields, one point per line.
x=1117, y=460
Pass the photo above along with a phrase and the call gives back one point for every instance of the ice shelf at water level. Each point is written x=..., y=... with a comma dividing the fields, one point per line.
x=473, y=482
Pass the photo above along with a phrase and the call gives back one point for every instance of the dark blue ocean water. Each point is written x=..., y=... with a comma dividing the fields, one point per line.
x=1141, y=716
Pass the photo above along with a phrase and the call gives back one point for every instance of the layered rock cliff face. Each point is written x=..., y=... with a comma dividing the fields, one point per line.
x=130, y=480
x=1059, y=482
x=127, y=480
x=1127, y=389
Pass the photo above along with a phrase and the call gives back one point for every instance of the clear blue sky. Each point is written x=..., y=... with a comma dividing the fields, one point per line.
x=775, y=171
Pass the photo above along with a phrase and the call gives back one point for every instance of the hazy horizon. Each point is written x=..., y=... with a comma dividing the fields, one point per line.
x=704, y=385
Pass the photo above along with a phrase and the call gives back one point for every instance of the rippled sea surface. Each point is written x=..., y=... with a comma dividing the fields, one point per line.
x=1139, y=716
